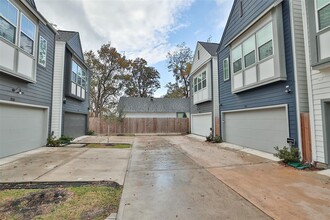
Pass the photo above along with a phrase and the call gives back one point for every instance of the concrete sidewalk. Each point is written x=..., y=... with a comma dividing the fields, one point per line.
x=281, y=192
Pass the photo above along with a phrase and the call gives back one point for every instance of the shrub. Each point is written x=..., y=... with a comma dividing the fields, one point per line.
x=65, y=139
x=287, y=155
x=53, y=142
x=90, y=132
x=217, y=139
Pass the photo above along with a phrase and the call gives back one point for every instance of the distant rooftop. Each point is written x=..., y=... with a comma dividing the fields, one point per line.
x=159, y=105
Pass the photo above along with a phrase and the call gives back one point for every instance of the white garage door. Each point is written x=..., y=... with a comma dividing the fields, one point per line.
x=258, y=129
x=201, y=124
x=22, y=128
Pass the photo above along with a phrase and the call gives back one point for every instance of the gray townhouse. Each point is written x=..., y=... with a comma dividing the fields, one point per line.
x=27, y=46
x=262, y=74
x=70, y=87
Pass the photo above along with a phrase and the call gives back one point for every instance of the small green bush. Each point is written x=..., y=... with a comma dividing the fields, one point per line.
x=53, y=142
x=90, y=132
x=287, y=155
x=65, y=139
x=217, y=139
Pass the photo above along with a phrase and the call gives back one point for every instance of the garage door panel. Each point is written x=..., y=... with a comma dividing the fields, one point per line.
x=201, y=124
x=258, y=129
x=74, y=124
x=22, y=128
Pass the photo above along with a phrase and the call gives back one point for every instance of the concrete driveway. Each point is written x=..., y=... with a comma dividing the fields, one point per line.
x=180, y=177
x=67, y=164
x=163, y=183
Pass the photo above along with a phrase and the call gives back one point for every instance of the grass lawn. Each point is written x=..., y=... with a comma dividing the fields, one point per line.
x=69, y=202
x=120, y=146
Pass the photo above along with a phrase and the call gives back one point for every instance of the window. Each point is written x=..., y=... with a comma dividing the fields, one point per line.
x=198, y=54
x=78, y=80
x=249, y=52
x=27, y=34
x=8, y=21
x=200, y=82
x=237, y=58
x=42, y=51
x=225, y=69
x=253, y=60
x=195, y=84
x=18, y=39
x=181, y=115
x=265, y=41
x=323, y=13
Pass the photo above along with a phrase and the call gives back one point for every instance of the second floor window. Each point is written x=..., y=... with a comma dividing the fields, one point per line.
x=323, y=13
x=199, y=82
x=78, y=80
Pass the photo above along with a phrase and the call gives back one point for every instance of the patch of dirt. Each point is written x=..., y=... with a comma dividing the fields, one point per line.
x=46, y=185
x=34, y=204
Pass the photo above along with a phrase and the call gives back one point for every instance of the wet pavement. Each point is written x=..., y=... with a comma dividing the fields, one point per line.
x=281, y=192
x=164, y=183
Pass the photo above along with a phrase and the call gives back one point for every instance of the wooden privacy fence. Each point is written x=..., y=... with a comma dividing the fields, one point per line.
x=103, y=126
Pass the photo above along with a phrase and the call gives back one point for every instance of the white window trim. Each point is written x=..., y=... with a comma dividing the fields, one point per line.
x=275, y=17
x=77, y=85
x=228, y=69
x=196, y=77
x=17, y=47
x=317, y=17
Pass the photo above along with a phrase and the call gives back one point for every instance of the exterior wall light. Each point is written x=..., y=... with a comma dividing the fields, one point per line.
x=18, y=90
x=287, y=89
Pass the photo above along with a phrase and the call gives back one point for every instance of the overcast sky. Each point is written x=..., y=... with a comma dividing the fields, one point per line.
x=140, y=28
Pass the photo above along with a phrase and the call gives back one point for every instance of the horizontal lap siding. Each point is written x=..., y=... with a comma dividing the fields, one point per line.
x=39, y=93
x=300, y=55
x=320, y=91
x=267, y=95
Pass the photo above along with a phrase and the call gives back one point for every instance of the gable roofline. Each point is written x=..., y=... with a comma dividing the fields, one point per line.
x=209, y=47
x=67, y=36
x=275, y=4
x=227, y=23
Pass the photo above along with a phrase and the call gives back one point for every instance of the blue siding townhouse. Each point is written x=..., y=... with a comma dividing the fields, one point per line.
x=27, y=43
x=262, y=74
